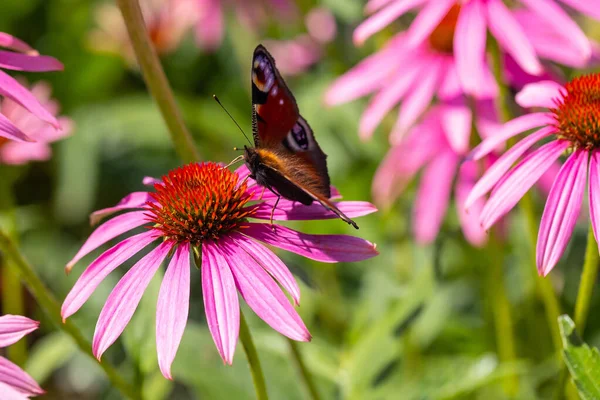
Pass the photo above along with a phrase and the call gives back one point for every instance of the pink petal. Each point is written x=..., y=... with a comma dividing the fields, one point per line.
x=469, y=220
x=13, y=43
x=220, y=300
x=150, y=181
x=9, y=87
x=433, y=196
x=108, y=231
x=562, y=23
x=450, y=87
x=497, y=170
x=9, y=131
x=270, y=262
x=374, y=5
x=519, y=180
x=296, y=211
x=8, y=393
x=590, y=8
x=12, y=375
x=383, y=18
x=427, y=20
x=132, y=200
x=511, y=128
x=594, y=194
x=561, y=211
x=101, y=267
x=539, y=94
x=173, y=307
x=456, y=120
x=469, y=45
x=325, y=248
x=14, y=327
x=209, y=27
x=25, y=62
x=511, y=37
x=417, y=101
x=263, y=295
x=125, y=297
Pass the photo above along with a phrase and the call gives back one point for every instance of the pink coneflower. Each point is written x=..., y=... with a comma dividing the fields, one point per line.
x=16, y=384
x=536, y=29
x=12, y=152
x=574, y=124
x=204, y=210
x=19, y=56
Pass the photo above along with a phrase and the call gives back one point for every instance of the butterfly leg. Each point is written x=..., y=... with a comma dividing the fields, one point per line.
x=273, y=210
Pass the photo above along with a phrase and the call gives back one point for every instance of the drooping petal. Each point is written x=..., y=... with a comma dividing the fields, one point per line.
x=101, y=267
x=469, y=220
x=511, y=128
x=173, y=307
x=10, y=88
x=271, y=263
x=149, y=181
x=433, y=196
x=209, y=27
x=107, y=231
x=561, y=211
x=497, y=170
x=220, y=301
x=125, y=297
x=298, y=211
x=8, y=393
x=450, y=87
x=588, y=7
x=456, y=119
x=8, y=130
x=132, y=200
x=25, y=62
x=374, y=5
x=14, y=327
x=16, y=44
x=539, y=94
x=15, y=377
x=427, y=20
x=511, y=37
x=519, y=180
x=325, y=248
x=594, y=194
x=262, y=294
x=381, y=19
x=469, y=45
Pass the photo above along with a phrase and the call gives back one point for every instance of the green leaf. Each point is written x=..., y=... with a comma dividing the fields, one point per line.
x=582, y=360
x=49, y=354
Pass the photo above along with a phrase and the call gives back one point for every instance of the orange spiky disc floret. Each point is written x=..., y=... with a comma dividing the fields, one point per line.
x=577, y=113
x=442, y=37
x=199, y=202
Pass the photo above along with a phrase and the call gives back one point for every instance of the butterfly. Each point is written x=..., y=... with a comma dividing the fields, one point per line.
x=286, y=158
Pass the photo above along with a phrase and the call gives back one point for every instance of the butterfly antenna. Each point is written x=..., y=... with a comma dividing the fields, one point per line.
x=233, y=119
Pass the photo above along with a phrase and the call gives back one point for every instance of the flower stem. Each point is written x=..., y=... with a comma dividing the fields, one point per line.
x=156, y=79
x=588, y=280
x=308, y=380
x=51, y=306
x=257, y=375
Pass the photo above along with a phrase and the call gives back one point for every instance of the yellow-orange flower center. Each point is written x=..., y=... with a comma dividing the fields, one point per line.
x=199, y=202
x=577, y=113
x=442, y=37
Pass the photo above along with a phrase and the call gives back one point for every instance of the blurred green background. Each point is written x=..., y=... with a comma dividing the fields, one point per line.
x=414, y=323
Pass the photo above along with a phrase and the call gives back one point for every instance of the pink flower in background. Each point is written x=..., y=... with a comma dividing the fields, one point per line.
x=203, y=209
x=13, y=152
x=16, y=384
x=167, y=22
x=297, y=55
x=19, y=56
x=573, y=123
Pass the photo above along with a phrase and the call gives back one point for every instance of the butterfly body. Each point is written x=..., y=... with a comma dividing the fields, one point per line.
x=286, y=158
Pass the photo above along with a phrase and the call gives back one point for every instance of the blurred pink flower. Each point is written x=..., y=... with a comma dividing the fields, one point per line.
x=573, y=122
x=13, y=152
x=19, y=56
x=203, y=209
x=16, y=384
x=540, y=29
x=167, y=22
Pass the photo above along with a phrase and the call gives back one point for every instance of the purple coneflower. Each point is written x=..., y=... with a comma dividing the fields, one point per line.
x=16, y=384
x=204, y=210
x=13, y=152
x=19, y=56
x=573, y=123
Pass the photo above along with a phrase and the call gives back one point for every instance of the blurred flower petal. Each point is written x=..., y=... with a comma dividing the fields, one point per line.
x=14, y=327
x=539, y=94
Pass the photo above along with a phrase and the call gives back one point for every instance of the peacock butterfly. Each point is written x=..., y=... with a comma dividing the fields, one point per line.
x=286, y=158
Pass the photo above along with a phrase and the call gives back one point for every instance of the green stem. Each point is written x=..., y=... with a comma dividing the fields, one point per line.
x=588, y=280
x=51, y=306
x=306, y=376
x=257, y=375
x=156, y=79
